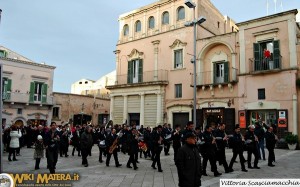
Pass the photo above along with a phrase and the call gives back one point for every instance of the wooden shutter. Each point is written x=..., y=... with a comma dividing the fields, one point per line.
x=44, y=93
x=130, y=72
x=257, y=58
x=214, y=72
x=140, y=70
x=31, y=93
x=8, y=85
x=226, y=72
x=276, y=55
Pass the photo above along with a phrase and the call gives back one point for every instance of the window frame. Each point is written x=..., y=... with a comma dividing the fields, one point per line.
x=138, y=23
x=54, y=116
x=177, y=65
x=178, y=90
x=126, y=30
x=180, y=15
x=151, y=24
x=163, y=18
x=261, y=93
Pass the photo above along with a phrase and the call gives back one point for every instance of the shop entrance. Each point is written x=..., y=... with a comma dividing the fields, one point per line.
x=134, y=119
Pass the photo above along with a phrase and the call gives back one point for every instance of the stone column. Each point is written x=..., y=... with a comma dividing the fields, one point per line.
x=159, y=109
x=125, y=109
x=295, y=117
x=142, y=109
x=118, y=63
x=111, y=112
x=155, y=43
x=233, y=65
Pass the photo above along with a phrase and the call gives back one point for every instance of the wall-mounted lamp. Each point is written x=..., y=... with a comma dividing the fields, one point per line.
x=260, y=103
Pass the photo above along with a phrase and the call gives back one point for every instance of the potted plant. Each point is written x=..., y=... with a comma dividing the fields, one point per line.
x=291, y=140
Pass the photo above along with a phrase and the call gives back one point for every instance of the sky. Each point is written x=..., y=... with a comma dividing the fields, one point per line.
x=79, y=37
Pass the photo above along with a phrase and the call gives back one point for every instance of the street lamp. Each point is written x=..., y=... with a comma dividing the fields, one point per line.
x=1, y=108
x=194, y=23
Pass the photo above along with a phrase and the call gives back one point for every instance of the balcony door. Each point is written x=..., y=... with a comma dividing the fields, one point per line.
x=135, y=71
x=219, y=73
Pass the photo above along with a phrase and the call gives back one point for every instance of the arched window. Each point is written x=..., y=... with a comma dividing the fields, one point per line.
x=138, y=26
x=151, y=23
x=180, y=13
x=165, y=18
x=126, y=30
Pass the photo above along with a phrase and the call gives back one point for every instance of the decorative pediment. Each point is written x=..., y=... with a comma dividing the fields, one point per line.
x=177, y=43
x=135, y=54
x=37, y=114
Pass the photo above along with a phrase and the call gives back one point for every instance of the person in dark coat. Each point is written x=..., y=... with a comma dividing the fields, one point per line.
x=133, y=148
x=176, y=136
x=147, y=140
x=270, y=144
x=260, y=134
x=221, y=141
x=64, y=142
x=188, y=163
x=167, y=134
x=189, y=129
x=237, y=148
x=86, y=143
x=252, y=142
x=76, y=140
x=157, y=139
x=209, y=152
x=52, y=144
x=110, y=139
x=101, y=145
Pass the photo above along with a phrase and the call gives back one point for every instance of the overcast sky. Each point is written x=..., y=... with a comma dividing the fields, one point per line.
x=79, y=37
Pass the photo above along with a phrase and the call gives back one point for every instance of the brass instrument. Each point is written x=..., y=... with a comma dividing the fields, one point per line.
x=113, y=146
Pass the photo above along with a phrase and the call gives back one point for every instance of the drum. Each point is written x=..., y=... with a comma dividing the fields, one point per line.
x=168, y=137
x=102, y=144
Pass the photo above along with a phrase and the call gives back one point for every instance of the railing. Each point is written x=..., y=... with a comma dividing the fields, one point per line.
x=258, y=65
x=209, y=78
x=147, y=76
x=16, y=97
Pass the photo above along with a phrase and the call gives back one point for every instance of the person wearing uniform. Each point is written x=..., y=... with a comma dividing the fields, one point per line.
x=188, y=163
x=221, y=141
x=237, y=148
x=209, y=151
x=188, y=130
x=270, y=144
x=109, y=141
x=158, y=143
x=176, y=135
x=252, y=142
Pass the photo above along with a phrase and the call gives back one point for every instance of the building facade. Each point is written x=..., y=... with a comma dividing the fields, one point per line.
x=80, y=109
x=27, y=90
x=91, y=87
x=235, y=84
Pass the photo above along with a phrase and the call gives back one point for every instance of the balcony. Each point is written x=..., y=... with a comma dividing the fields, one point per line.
x=158, y=77
x=264, y=65
x=16, y=97
x=207, y=78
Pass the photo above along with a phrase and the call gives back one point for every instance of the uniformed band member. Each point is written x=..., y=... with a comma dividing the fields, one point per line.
x=111, y=141
x=52, y=144
x=188, y=130
x=86, y=143
x=158, y=143
x=176, y=136
x=221, y=141
x=252, y=142
x=188, y=163
x=167, y=131
x=237, y=148
x=270, y=144
x=133, y=148
x=209, y=151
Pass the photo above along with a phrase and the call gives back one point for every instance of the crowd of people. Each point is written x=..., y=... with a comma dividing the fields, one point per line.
x=189, y=144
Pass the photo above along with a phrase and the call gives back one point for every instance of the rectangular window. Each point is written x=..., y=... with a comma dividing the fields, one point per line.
x=19, y=111
x=178, y=90
x=178, y=59
x=221, y=72
x=135, y=71
x=6, y=89
x=55, y=113
x=38, y=91
x=267, y=55
x=261, y=94
x=3, y=53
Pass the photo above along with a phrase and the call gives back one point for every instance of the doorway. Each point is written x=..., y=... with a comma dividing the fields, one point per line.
x=180, y=119
x=134, y=119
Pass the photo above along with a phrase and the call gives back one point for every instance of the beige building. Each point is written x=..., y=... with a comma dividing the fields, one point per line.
x=80, y=109
x=27, y=90
x=91, y=87
x=235, y=84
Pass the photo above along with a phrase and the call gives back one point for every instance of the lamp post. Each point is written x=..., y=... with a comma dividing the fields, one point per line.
x=1, y=107
x=193, y=24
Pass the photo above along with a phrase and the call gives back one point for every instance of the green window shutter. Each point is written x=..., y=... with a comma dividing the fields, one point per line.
x=44, y=93
x=130, y=72
x=214, y=72
x=31, y=96
x=276, y=55
x=140, y=70
x=226, y=72
x=257, y=58
x=8, y=85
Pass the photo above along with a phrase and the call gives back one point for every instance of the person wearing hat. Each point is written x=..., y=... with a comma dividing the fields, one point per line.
x=252, y=141
x=188, y=163
x=38, y=151
x=237, y=148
